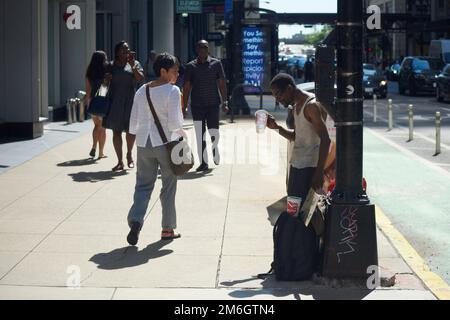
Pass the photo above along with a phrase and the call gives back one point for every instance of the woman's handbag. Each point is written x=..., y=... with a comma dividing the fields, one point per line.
x=180, y=154
x=99, y=105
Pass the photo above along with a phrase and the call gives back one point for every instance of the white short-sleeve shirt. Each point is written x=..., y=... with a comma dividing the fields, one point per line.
x=167, y=102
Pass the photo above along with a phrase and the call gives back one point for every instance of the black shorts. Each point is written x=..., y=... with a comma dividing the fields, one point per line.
x=300, y=181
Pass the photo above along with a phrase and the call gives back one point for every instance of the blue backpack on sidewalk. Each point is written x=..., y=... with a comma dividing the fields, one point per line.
x=296, y=249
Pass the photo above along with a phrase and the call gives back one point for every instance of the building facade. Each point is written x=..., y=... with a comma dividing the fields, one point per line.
x=47, y=45
x=425, y=20
x=440, y=19
x=381, y=40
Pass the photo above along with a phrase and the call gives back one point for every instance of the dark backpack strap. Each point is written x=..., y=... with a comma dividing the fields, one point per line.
x=155, y=116
x=274, y=235
x=263, y=276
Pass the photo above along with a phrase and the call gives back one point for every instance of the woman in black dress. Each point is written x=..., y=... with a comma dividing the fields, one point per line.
x=126, y=74
x=95, y=76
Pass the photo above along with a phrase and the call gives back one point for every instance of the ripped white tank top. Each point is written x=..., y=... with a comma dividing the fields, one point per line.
x=305, y=153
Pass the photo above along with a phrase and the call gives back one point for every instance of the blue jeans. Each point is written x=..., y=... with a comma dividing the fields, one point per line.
x=149, y=159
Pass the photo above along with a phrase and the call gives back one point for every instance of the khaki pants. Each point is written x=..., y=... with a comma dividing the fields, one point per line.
x=149, y=159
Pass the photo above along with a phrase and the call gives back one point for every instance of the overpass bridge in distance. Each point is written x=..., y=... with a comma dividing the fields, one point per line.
x=403, y=20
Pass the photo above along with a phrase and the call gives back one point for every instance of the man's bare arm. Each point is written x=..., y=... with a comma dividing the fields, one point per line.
x=186, y=93
x=272, y=124
x=223, y=89
x=222, y=83
x=313, y=114
x=290, y=135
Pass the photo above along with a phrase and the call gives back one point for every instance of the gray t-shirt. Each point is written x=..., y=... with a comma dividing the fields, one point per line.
x=203, y=78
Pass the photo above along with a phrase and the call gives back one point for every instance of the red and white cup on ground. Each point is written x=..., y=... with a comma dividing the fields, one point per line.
x=293, y=206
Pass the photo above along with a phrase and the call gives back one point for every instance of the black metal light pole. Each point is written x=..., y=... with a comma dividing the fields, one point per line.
x=236, y=49
x=350, y=234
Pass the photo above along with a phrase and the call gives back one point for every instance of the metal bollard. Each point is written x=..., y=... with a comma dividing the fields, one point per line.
x=411, y=122
x=82, y=113
x=390, y=122
x=73, y=107
x=374, y=108
x=438, y=133
x=82, y=96
x=69, y=111
x=77, y=110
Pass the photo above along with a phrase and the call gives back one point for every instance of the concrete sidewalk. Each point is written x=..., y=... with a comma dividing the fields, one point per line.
x=14, y=153
x=63, y=217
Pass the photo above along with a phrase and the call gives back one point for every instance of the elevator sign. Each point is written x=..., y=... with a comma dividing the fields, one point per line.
x=189, y=6
x=253, y=55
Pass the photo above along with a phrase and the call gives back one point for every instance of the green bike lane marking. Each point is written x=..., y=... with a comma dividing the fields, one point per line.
x=414, y=194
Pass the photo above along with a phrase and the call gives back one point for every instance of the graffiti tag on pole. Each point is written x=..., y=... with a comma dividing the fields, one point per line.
x=349, y=228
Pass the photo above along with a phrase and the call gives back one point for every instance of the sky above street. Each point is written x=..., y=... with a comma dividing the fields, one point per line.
x=298, y=6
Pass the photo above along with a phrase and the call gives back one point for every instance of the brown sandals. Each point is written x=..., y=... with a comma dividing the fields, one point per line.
x=130, y=161
x=170, y=235
x=119, y=167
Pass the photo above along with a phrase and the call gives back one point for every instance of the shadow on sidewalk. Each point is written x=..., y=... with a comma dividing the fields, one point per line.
x=129, y=257
x=281, y=289
x=78, y=163
x=196, y=175
x=192, y=175
x=270, y=286
x=96, y=176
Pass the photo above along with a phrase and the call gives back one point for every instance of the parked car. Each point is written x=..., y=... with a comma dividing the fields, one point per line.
x=282, y=62
x=374, y=82
x=443, y=84
x=419, y=74
x=296, y=65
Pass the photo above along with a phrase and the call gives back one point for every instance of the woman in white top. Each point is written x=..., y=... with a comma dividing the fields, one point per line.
x=152, y=153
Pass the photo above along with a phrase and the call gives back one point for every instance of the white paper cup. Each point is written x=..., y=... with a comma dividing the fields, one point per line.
x=261, y=120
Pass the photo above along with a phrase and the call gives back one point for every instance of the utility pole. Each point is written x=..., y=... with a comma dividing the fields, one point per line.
x=350, y=233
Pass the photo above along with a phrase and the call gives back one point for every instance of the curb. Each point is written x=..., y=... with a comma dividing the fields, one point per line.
x=431, y=280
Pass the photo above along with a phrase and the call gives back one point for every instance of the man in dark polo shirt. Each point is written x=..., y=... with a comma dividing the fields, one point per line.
x=205, y=84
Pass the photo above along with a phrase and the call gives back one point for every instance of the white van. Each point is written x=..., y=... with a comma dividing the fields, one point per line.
x=440, y=49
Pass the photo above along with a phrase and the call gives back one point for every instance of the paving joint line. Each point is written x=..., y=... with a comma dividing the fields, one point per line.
x=225, y=223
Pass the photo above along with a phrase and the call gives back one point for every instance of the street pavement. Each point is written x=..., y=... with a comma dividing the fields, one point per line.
x=424, y=108
x=406, y=179
x=63, y=229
